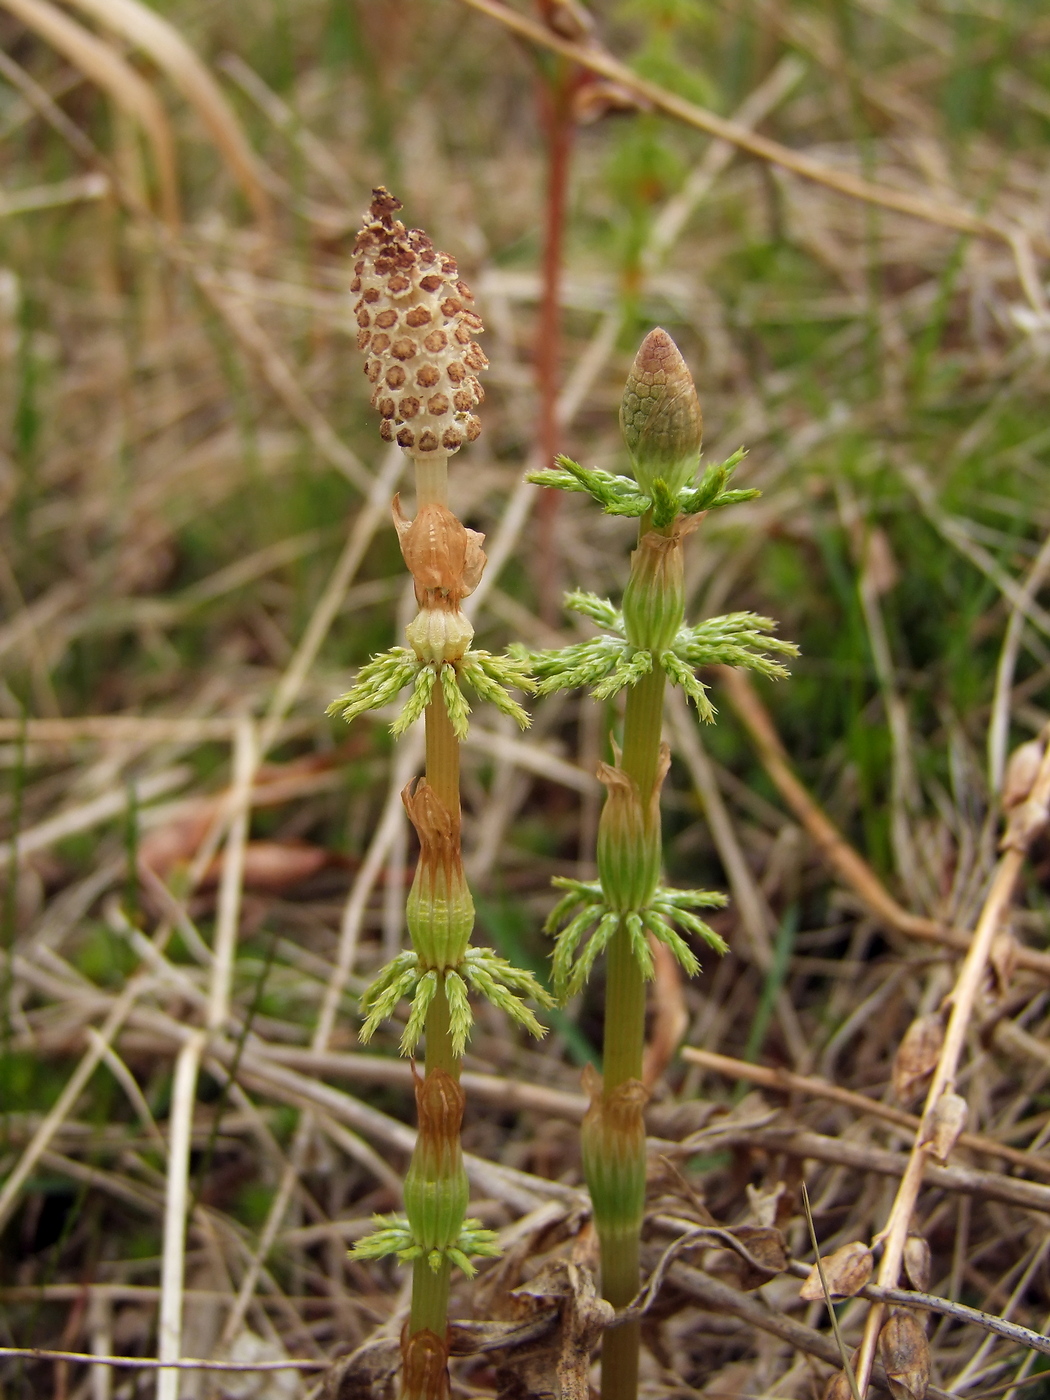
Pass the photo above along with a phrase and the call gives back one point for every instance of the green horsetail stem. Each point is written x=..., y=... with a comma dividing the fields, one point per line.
x=416, y=328
x=642, y=647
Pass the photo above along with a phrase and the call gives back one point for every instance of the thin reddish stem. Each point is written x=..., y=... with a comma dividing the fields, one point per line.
x=559, y=126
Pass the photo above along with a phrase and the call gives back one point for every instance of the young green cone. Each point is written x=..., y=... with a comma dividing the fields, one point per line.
x=660, y=415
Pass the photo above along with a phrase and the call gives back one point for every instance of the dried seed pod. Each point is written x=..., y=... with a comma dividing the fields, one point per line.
x=416, y=328
x=847, y=1271
x=766, y=1246
x=567, y=18
x=837, y=1387
x=944, y=1124
x=1021, y=771
x=905, y=1355
x=601, y=97
x=916, y=1057
x=917, y=1262
x=1003, y=960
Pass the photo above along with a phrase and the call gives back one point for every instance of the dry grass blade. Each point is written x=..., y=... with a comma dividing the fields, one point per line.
x=847, y=1365
x=755, y=914
x=245, y=762
x=193, y=523
x=275, y=369
x=141, y=1363
x=103, y=65
x=54, y=195
x=157, y=37
x=999, y=724
x=282, y=117
x=712, y=1293
x=368, y=521
x=66, y=1101
x=928, y=1302
x=173, y=1267
x=188, y=1062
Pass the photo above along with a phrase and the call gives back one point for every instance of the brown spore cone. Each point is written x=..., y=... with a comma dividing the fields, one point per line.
x=417, y=328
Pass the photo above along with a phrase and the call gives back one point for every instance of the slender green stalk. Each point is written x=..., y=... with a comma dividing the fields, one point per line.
x=429, y=1297
x=624, y=1046
x=624, y=1038
x=442, y=756
x=439, y=1051
x=642, y=732
x=624, y=1043
x=642, y=647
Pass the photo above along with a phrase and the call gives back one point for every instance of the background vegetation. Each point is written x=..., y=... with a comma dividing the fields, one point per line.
x=187, y=448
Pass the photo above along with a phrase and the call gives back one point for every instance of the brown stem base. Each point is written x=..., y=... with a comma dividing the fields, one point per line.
x=620, y=1349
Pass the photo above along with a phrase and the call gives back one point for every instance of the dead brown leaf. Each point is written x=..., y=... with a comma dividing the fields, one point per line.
x=837, y=1387
x=1003, y=960
x=917, y=1262
x=945, y=1123
x=567, y=18
x=879, y=564
x=905, y=1355
x=670, y=1021
x=766, y=1247
x=558, y=1367
x=1021, y=770
x=916, y=1057
x=847, y=1271
x=369, y=1373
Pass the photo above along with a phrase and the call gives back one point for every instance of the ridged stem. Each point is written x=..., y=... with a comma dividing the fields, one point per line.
x=430, y=1288
x=439, y=1052
x=442, y=753
x=624, y=1045
x=442, y=768
x=642, y=730
x=431, y=479
x=429, y=1297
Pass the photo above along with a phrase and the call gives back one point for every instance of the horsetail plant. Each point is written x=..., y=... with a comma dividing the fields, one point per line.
x=641, y=647
x=416, y=329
